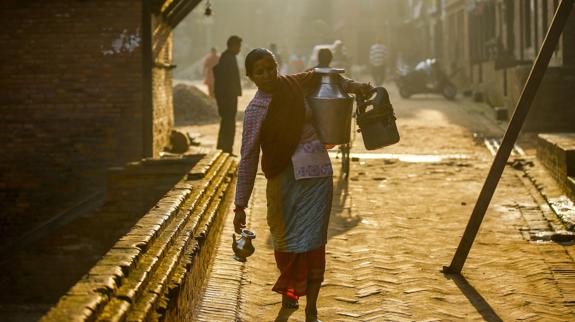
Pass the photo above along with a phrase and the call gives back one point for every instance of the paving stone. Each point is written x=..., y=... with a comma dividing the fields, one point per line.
x=346, y=300
x=389, y=240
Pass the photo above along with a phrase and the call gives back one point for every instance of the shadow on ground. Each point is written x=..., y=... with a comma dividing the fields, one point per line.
x=480, y=304
x=284, y=314
x=342, y=218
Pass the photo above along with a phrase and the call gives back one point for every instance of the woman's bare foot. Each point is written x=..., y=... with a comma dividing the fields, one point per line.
x=289, y=303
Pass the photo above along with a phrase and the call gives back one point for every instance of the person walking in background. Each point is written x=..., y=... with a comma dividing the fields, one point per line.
x=298, y=172
x=324, y=57
x=210, y=61
x=227, y=88
x=377, y=57
x=340, y=58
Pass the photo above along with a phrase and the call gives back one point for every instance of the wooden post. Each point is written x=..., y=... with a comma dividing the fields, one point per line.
x=147, y=99
x=521, y=110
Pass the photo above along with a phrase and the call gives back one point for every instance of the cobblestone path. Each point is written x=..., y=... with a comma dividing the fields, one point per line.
x=395, y=224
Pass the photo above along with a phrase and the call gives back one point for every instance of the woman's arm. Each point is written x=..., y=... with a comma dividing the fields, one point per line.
x=250, y=154
x=351, y=86
x=248, y=167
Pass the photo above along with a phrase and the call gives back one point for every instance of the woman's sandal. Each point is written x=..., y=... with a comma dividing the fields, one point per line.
x=289, y=303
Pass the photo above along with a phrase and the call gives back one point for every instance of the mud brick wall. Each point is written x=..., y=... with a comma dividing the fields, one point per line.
x=71, y=101
x=557, y=153
x=568, y=43
x=552, y=109
x=162, y=96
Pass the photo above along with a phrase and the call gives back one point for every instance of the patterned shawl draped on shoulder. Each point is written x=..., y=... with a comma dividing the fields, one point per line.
x=282, y=127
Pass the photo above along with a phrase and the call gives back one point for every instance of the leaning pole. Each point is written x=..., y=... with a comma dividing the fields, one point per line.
x=522, y=108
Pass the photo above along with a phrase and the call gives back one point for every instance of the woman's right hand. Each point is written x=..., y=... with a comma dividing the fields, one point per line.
x=239, y=220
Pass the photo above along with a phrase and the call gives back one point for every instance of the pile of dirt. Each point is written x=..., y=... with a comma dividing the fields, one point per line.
x=193, y=107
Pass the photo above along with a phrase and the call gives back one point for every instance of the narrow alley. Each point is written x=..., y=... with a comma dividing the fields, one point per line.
x=147, y=142
x=398, y=221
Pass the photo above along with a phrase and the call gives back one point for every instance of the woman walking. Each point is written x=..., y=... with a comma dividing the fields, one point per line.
x=299, y=174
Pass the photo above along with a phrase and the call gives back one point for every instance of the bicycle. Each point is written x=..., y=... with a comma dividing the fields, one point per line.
x=345, y=150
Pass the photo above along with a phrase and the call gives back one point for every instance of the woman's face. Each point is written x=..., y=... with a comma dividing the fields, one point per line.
x=265, y=74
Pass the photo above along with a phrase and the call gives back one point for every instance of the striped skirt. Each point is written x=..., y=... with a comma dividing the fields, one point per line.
x=298, y=216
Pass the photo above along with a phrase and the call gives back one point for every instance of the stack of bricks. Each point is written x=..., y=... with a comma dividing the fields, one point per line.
x=157, y=269
x=557, y=153
x=69, y=251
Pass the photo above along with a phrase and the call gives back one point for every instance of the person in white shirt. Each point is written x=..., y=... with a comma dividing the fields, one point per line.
x=377, y=60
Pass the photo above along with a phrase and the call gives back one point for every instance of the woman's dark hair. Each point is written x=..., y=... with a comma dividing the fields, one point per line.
x=254, y=56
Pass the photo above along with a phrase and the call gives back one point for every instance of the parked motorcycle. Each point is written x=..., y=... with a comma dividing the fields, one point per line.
x=426, y=77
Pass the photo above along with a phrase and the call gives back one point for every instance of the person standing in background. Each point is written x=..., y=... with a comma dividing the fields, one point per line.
x=210, y=61
x=227, y=88
x=377, y=57
x=324, y=57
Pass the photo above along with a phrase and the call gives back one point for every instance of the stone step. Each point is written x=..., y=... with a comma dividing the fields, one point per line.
x=183, y=245
x=137, y=279
x=557, y=153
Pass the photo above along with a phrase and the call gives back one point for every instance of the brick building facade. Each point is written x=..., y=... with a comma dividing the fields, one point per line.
x=85, y=85
x=363, y=23
x=490, y=45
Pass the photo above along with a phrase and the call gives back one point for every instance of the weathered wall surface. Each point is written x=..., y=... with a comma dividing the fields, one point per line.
x=162, y=96
x=552, y=109
x=557, y=153
x=71, y=101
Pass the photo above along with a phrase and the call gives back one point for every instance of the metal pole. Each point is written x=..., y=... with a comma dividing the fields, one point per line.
x=521, y=110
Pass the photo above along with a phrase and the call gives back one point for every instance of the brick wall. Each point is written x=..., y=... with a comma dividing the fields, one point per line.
x=71, y=100
x=569, y=41
x=162, y=96
x=552, y=109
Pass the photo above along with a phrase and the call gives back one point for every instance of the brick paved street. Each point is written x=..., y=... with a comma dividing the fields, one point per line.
x=398, y=221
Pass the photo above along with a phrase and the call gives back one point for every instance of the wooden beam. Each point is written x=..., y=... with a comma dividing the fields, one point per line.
x=179, y=13
x=172, y=6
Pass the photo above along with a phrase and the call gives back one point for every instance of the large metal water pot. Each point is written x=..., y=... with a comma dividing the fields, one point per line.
x=331, y=108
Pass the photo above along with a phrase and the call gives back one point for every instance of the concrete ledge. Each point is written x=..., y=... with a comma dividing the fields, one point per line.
x=557, y=153
x=148, y=272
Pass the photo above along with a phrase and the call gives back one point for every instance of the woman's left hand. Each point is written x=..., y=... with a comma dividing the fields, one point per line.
x=363, y=89
x=239, y=220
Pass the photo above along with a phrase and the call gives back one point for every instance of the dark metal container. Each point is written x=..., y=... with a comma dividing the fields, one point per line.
x=377, y=125
x=243, y=247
